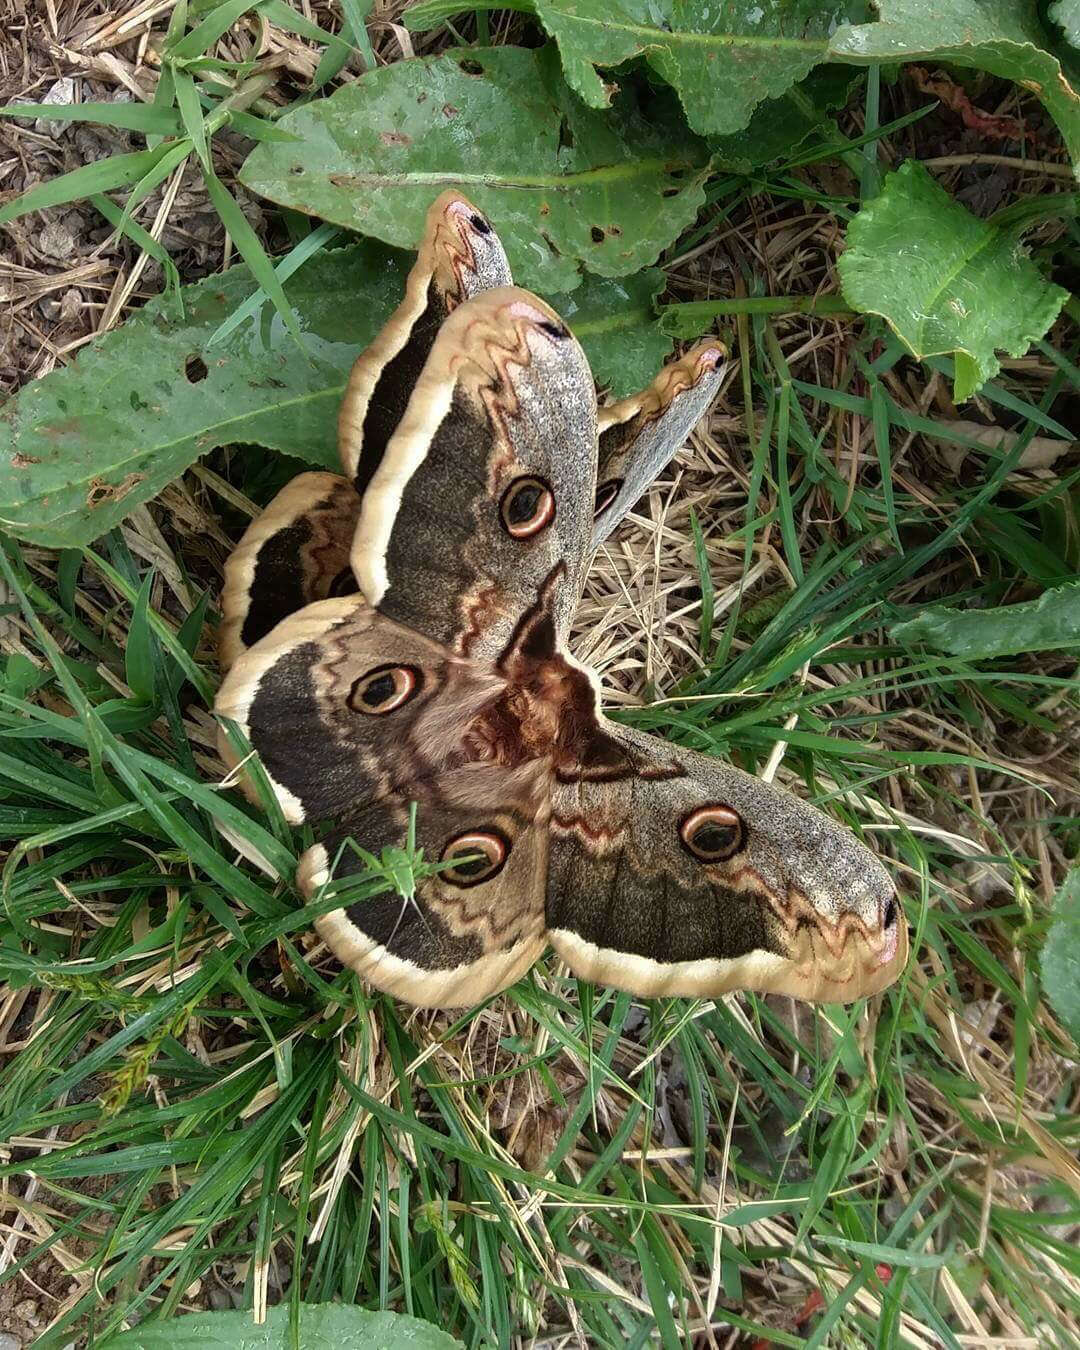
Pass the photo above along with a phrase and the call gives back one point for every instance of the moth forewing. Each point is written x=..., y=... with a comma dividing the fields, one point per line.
x=459, y=256
x=505, y=399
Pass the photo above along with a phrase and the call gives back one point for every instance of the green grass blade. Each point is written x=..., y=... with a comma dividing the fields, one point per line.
x=146, y=118
x=252, y=251
x=102, y=176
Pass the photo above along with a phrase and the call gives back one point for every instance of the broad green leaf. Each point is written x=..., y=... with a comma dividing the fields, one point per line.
x=82, y=447
x=323, y=1326
x=565, y=186
x=1003, y=37
x=615, y=321
x=1066, y=13
x=945, y=281
x=1043, y=625
x=1061, y=955
x=780, y=125
x=723, y=60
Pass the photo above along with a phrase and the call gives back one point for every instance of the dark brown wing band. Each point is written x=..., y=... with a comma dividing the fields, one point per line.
x=460, y=256
x=295, y=552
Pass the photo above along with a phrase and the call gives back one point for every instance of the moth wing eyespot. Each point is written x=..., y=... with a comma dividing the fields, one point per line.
x=483, y=854
x=712, y=833
x=888, y=917
x=527, y=507
x=479, y=224
x=384, y=689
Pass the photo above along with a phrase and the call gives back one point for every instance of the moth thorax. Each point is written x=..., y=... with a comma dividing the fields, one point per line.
x=548, y=711
x=557, y=708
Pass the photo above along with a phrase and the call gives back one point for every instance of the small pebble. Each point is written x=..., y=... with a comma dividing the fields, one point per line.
x=61, y=94
x=56, y=241
x=71, y=303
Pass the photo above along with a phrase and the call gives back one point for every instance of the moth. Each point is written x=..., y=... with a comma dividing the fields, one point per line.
x=397, y=635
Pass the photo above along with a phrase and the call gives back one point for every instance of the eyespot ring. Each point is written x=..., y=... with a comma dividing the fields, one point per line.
x=606, y=494
x=527, y=507
x=493, y=847
x=384, y=689
x=712, y=833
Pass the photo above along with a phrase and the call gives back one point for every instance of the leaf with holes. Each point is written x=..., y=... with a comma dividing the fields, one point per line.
x=1061, y=955
x=723, y=60
x=323, y=1326
x=943, y=280
x=726, y=60
x=566, y=187
x=1003, y=37
x=82, y=447
x=778, y=127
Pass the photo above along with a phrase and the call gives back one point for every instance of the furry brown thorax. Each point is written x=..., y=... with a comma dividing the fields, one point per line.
x=548, y=710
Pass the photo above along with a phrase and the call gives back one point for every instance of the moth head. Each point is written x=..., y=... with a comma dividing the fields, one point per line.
x=468, y=257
